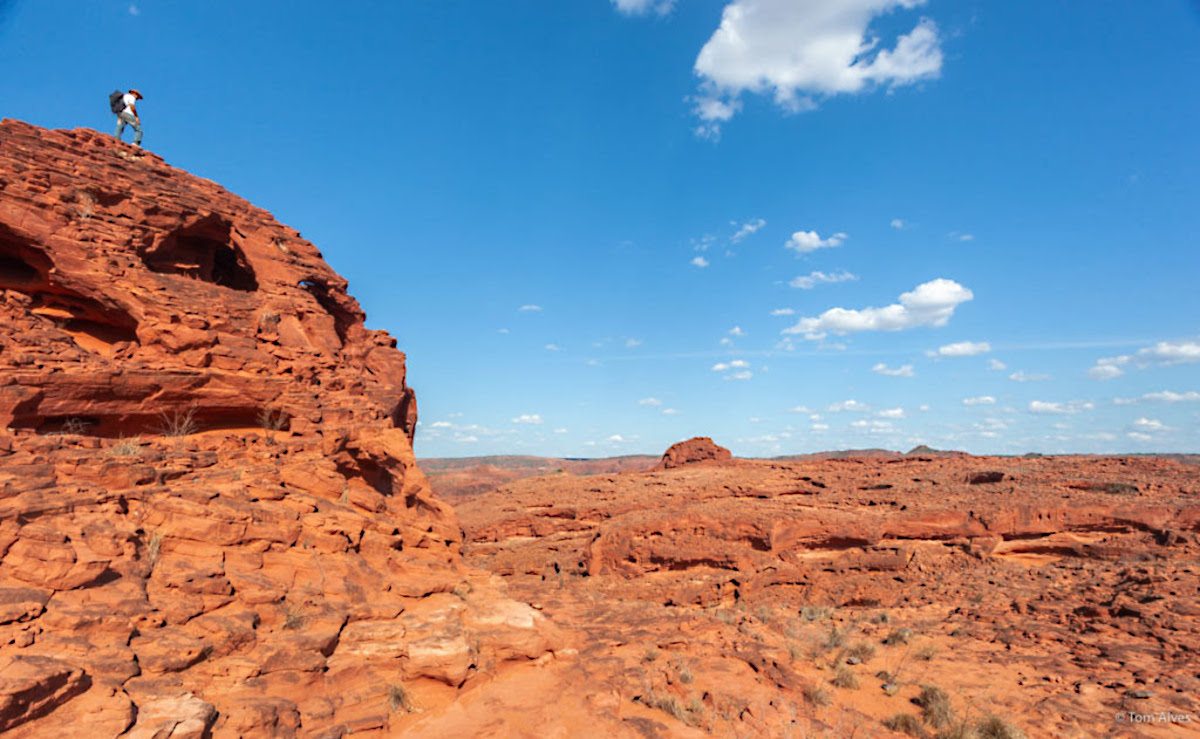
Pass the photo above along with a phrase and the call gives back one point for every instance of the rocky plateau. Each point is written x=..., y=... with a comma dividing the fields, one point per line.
x=212, y=523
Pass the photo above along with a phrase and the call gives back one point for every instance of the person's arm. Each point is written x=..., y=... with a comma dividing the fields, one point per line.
x=133, y=109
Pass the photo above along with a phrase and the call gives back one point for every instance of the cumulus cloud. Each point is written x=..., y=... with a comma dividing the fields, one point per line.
x=528, y=308
x=802, y=52
x=783, y=312
x=1164, y=353
x=1055, y=408
x=980, y=400
x=1164, y=396
x=747, y=228
x=643, y=7
x=1023, y=376
x=737, y=331
x=902, y=371
x=929, y=304
x=898, y=224
x=631, y=343
x=962, y=349
x=996, y=365
x=441, y=425
x=848, y=405
x=725, y=366
x=808, y=282
x=670, y=412
x=743, y=375
x=804, y=242
x=892, y=413
x=1150, y=424
x=532, y=418
x=652, y=402
x=699, y=262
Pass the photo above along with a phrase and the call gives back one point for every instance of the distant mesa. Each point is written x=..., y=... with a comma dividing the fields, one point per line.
x=697, y=449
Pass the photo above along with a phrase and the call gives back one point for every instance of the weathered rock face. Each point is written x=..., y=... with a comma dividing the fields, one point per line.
x=741, y=597
x=698, y=449
x=210, y=513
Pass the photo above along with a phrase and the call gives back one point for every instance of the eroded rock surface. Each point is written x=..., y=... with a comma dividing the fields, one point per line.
x=211, y=518
x=819, y=598
x=692, y=451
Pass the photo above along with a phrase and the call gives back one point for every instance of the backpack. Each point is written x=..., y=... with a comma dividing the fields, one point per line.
x=116, y=101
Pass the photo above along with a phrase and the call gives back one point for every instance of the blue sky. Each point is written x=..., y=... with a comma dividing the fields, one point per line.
x=598, y=227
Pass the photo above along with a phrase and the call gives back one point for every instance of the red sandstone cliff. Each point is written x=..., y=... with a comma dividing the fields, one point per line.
x=210, y=514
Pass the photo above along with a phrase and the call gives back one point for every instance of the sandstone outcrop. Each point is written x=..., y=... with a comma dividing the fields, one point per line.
x=697, y=449
x=820, y=598
x=211, y=518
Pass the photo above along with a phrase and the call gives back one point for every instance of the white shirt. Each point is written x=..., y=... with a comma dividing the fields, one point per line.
x=129, y=99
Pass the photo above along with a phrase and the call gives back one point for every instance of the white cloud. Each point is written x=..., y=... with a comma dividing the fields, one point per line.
x=441, y=425
x=739, y=363
x=996, y=365
x=898, y=224
x=502, y=331
x=670, y=412
x=528, y=308
x=560, y=431
x=1138, y=436
x=1150, y=424
x=737, y=331
x=743, y=375
x=652, y=402
x=1105, y=371
x=747, y=228
x=1172, y=352
x=699, y=262
x=532, y=418
x=720, y=367
x=875, y=427
x=1167, y=396
x=1164, y=353
x=799, y=409
x=902, y=371
x=466, y=439
x=1069, y=408
x=848, y=405
x=725, y=341
x=643, y=7
x=134, y=10
x=929, y=304
x=616, y=438
x=801, y=52
x=807, y=241
x=963, y=349
x=892, y=413
x=783, y=312
x=980, y=400
x=1023, y=376
x=631, y=343
x=820, y=427
x=961, y=236
x=808, y=282
x=552, y=348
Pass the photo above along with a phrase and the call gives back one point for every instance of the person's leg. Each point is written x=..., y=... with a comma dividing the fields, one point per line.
x=120, y=127
x=137, y=134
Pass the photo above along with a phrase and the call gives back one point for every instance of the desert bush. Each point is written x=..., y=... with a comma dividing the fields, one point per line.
x=835, y=638
x=651, y=654
x=685, y=673
x=816, y=613
x=399, y=699
x=994, y=727
x=126, y=447
x=905, y=723
x=271, y=419
x=817, y=695
x=844, y=677
x=153, y=547
x=861, y=651
x=935, y=707
x=926, y=653
x=899, y=636
x=177, y=422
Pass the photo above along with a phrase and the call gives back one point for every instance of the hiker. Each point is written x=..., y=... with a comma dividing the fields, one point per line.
x=127, y=113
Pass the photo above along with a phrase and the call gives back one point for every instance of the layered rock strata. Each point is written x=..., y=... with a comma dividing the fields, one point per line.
x=211, y=518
